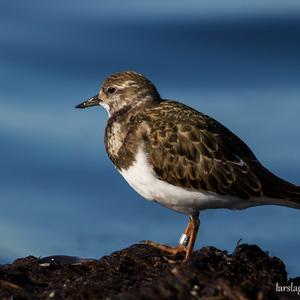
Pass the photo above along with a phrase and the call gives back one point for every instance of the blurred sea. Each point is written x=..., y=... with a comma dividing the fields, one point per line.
x=59, y=193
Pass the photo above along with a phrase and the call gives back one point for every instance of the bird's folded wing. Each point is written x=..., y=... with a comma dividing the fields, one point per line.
x=191, y=150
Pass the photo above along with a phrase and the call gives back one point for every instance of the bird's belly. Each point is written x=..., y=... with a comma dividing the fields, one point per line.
x=142, y=178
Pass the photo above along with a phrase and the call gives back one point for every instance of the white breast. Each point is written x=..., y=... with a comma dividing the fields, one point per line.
x=143, y=180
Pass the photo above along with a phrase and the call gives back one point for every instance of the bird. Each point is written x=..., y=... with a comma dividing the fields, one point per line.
x=181, y=158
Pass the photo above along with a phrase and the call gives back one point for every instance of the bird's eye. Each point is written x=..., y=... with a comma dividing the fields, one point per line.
x=111, y=90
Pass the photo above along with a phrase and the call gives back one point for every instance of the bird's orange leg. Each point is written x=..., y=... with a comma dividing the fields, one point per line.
x=186, y=242
x=195, y=223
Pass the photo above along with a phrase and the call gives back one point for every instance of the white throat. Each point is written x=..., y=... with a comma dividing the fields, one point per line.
x=104, y=105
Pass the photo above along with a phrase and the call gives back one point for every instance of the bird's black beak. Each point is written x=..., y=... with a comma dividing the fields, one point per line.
x=90, y=102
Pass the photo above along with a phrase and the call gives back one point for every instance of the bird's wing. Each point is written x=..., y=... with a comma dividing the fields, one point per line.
x=191, y=150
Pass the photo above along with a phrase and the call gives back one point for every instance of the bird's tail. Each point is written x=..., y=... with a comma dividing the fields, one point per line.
x=278, y=191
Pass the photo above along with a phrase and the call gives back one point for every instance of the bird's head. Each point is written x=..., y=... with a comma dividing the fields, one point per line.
x=125, y=89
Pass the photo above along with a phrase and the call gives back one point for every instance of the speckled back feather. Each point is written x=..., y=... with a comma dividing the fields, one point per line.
x=192, y=150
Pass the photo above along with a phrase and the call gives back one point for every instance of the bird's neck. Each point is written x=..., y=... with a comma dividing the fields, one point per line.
x=129, y=109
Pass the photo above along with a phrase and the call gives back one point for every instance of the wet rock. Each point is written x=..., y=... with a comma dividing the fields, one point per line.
x=143, y=272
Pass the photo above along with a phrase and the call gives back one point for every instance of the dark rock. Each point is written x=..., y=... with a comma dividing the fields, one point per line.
x=143, y=272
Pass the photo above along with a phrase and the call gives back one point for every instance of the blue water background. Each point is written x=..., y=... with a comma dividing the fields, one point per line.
x=59, y=193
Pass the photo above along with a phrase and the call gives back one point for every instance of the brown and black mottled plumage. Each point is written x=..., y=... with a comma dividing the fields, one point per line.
x=191, y=150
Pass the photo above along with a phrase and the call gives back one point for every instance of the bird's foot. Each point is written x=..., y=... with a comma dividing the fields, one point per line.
x=172, y=251
x=186, y=242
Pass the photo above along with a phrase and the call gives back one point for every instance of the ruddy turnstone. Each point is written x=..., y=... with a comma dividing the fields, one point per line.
x=181, y=158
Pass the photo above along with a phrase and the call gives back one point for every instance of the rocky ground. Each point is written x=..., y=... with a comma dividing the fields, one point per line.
x=142, y=272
